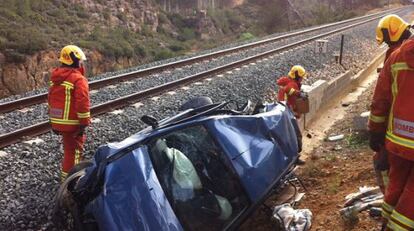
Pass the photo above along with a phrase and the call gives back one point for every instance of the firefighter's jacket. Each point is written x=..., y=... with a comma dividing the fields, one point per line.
x=289, y=90
x=392, y=108
x=68, y=99
x=391, y=49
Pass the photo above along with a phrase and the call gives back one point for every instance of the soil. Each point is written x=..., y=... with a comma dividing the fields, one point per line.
x=333, y=169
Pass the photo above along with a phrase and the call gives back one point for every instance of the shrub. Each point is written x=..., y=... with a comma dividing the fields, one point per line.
x=162, y=18
x=176, y=47
x=140, y=50
x=177, y=20
x=219, y=18
x=163, y=54
x=246, y=36
x=188, y=34
x=13, y=56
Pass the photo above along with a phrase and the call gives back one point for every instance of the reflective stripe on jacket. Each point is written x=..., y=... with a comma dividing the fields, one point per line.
x=392, y=108
x=68, y=99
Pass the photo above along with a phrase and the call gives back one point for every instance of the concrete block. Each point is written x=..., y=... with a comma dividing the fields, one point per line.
x=337, y=85
x=369, y=69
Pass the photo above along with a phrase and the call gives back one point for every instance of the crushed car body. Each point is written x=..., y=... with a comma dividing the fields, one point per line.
x=204, y=169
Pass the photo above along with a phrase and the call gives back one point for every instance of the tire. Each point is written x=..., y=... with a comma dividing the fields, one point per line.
x=196, y=103
x=80, y=166
x=72, y=213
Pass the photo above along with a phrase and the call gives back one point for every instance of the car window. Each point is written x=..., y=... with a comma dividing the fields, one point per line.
x=203, y=191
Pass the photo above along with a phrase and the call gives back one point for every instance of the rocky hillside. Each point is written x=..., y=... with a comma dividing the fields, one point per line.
x=122, y=33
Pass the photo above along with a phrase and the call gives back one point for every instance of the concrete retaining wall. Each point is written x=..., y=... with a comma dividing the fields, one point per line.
x=322, y=92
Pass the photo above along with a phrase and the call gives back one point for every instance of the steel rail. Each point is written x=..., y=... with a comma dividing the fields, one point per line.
x=96, y=84
x=43, y=127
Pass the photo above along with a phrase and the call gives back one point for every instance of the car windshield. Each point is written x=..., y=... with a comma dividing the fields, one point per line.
x=195, y=175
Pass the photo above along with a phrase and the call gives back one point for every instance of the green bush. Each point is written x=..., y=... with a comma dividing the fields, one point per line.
x=177, y=48
x=140, y=50
x=220, y=19
x=13, y=56
x=188, y=34
x=177, y=20
x=246, y=36
x=162, y=18
x=163, y=54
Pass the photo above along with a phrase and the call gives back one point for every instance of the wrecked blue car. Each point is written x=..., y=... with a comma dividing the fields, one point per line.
x=206, y=168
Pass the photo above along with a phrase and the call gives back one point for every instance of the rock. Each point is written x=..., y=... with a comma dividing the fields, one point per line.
x=336, y=138
x=15, y=78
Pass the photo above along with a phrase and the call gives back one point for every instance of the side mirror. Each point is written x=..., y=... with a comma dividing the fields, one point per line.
x=149, y=120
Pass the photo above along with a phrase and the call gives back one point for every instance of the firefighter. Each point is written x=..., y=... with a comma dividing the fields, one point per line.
x=289, y=87
x=392, y=30
x=69, y=105
x=289, y=91
x=391, y=125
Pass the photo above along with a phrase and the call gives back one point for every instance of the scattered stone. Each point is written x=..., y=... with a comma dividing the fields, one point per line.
x=3, y=153
x=137, y=105
x=95, y=120
x=336, y=138
x=111, y=87
x=117, y=112
x=34, y=141
x=337, y=148
x=24, y=110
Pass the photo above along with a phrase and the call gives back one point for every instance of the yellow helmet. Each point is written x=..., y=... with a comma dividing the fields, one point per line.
x=299, y=70
x=65, y=54
x=390, y=28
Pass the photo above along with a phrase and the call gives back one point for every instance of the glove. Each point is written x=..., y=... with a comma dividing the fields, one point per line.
x=376, y=140
x=381, y=161
x=82, y=129
x=303, y=95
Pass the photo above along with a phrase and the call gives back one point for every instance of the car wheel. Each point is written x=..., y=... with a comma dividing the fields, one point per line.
x=196, y=103
x=67, y=212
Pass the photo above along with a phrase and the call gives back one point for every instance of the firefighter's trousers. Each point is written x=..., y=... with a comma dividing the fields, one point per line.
x=73, y=148
x=398, y=207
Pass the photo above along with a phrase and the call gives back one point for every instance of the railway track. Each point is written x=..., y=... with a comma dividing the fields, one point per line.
x=96, y=84
x=42, y=127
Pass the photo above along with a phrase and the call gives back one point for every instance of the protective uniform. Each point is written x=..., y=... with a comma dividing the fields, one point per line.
x=392, y=30
x=289, y=86
x=392, y=116
x=69, y=105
